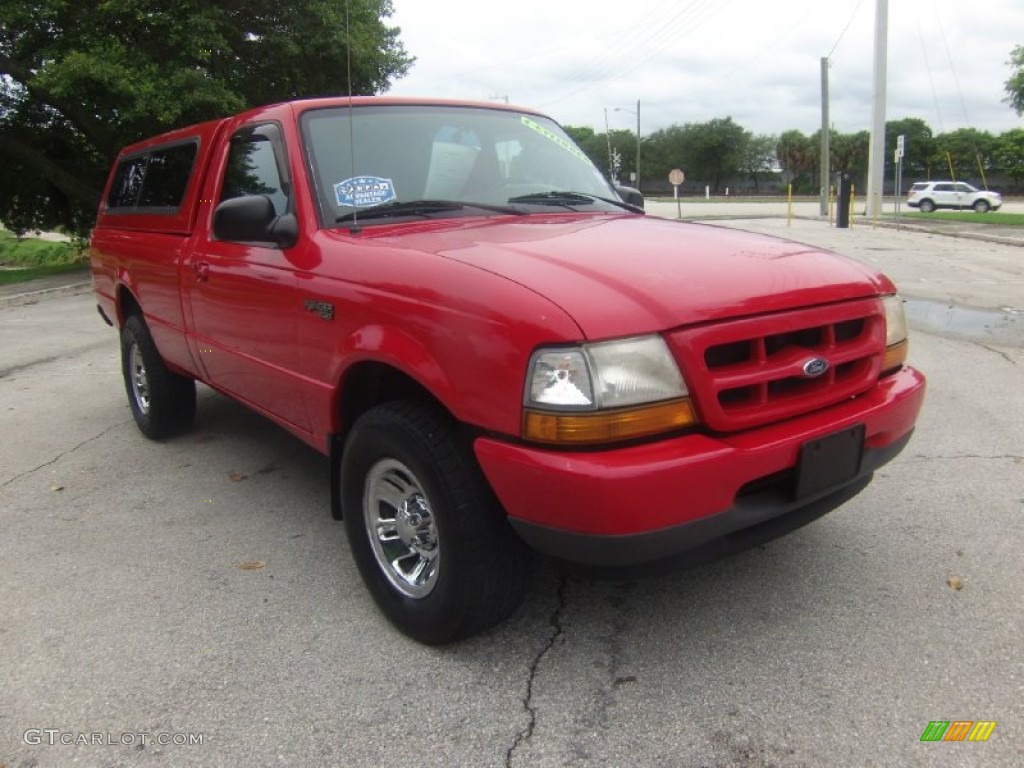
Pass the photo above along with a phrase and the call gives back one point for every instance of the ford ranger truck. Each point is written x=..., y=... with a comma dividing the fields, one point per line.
x=496, y=350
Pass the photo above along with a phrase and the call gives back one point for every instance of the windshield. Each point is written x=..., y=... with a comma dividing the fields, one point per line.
x=391, y=159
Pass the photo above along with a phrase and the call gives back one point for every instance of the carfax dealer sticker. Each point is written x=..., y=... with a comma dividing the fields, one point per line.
x=364, y=191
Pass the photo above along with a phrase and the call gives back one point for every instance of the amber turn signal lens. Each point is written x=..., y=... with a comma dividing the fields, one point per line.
x=895, y=356
x=597, y=427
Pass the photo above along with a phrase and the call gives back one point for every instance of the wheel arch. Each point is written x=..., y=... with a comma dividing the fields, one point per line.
x=369, y=383
x=126, y=304
x=364, y=385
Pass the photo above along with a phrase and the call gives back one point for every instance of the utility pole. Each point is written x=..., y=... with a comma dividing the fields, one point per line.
x=608, y=138
x=876, y=149
x=637, y=113
x=826, y=158
x=638, y=143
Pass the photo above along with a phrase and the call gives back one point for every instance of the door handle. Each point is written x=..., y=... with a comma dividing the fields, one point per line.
x=202, y=270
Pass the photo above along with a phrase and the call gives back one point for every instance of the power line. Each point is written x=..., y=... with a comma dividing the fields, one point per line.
x=949, y=57
x=640, y=50
x=845, y=29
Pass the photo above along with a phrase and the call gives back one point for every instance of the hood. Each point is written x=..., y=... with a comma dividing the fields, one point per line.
x=629, y=275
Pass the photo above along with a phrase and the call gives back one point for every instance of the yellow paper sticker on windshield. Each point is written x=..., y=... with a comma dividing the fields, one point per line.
x=547, y=133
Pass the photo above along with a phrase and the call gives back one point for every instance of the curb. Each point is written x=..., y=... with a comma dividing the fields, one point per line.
x=31, y=297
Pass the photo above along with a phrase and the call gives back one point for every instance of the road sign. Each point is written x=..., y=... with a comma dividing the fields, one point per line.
x=676, y=177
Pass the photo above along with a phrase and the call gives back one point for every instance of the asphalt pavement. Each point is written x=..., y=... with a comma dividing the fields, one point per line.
x=191, y=602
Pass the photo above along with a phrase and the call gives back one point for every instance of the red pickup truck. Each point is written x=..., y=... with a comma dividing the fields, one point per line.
x=493, y=345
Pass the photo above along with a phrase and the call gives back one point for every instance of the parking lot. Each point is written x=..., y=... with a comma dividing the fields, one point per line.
x=192, y=602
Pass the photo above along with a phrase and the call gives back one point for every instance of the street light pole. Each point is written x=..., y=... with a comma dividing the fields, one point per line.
x=637, y=113
x=608, y=138
x=638, y=143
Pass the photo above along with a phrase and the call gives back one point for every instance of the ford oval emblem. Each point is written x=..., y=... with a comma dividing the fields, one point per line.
x=814, y=367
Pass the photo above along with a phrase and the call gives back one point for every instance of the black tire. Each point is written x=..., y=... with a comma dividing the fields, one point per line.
x=162, y=402
x=438, y=556
x=981, y=206
x=927, y=206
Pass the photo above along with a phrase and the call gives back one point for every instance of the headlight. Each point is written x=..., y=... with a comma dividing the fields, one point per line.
x=895, y=334
x=603, y=392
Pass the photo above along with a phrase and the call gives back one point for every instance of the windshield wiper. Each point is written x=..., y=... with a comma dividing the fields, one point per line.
x=569, y=199
x=425, y=208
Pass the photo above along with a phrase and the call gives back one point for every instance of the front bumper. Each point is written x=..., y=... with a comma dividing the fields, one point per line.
x=648, y=502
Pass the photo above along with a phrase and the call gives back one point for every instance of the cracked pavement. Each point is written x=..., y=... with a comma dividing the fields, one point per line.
x=123, y=609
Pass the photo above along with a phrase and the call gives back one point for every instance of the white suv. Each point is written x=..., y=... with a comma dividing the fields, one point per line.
x=929, y=195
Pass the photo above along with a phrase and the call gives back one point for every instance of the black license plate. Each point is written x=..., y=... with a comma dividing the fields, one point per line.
x=829, y=461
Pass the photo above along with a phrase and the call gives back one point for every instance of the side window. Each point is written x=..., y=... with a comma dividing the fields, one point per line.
x=154, y=180
x=254, y=169
x=124, y=192
x=943, y=187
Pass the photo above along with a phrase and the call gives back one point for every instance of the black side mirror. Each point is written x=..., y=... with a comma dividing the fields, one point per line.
x=252, y=219
x=631, y=195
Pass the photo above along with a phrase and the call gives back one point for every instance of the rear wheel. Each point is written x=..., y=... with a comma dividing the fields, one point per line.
x=162, y=402
x=927, y=206
x=431, y=541
x=982, y=206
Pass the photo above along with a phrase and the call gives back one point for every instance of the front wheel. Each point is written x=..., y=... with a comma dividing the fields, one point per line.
x=430, y=540
x=981, y=206
x=162, y=402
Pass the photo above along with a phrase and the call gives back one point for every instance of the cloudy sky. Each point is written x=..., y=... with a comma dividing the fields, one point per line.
x=757, y=61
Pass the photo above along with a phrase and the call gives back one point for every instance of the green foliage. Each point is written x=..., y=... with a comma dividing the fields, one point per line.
x=757, y=157
x=30, y=252
x=1009, y=154
x=714, y=151
x=962, y=154
x=22, y=275
x=849, y=152
x=919, y=147
x=992, y=218
x=795, y=154
x=81, y=78
x=1015, y=84
x=598, y=147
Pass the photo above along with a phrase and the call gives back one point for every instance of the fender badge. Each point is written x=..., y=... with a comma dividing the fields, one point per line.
x=815, y=367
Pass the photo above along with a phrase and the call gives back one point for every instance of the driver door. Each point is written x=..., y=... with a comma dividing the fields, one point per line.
x=243, y=296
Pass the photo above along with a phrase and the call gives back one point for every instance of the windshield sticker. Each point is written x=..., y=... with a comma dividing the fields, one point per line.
x=547, y=133
x=364, y=191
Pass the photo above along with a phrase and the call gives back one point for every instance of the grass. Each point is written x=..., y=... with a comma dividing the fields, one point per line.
x=997, y=218
x=23, y=274
x=29, y=258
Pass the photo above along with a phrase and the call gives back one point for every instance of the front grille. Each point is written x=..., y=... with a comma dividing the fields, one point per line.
x=749, y=372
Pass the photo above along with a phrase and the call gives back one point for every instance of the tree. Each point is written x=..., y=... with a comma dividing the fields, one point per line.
x=849, y=152
x=663, y=150
x=795, y=155
x=81, y=78
x=1015, y=85
x=965, y=153
x=758, y=157
x=1009, y=154
x=711, y=152
x=919, y=149
x=597, y=146
x=715, y=149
